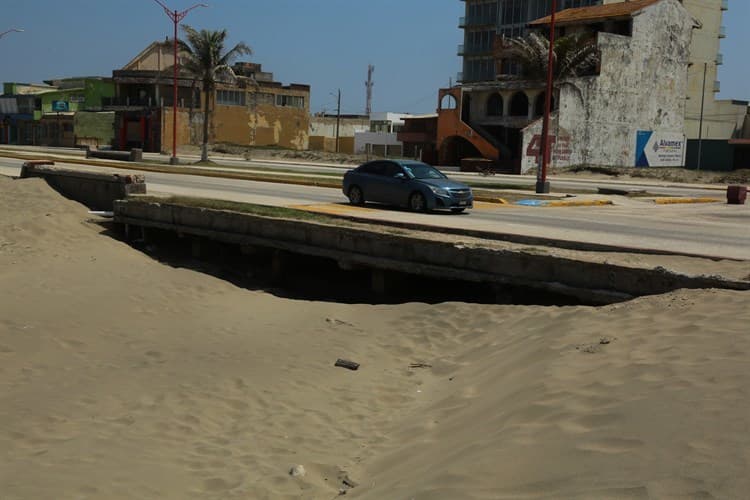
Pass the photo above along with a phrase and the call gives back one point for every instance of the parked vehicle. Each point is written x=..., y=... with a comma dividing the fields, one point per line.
x=412, y=184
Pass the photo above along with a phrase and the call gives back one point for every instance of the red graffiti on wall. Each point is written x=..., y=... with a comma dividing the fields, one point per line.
x=560, y=147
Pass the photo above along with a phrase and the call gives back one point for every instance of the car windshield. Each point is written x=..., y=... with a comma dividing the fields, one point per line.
x=423, y=171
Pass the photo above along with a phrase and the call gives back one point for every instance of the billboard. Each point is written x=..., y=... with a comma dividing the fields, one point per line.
x=60, y=106
x=659, y=149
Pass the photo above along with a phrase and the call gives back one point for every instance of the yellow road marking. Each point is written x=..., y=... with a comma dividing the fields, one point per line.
x=674, y=201
x=347, y=209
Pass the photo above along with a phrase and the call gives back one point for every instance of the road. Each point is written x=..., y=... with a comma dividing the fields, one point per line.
x=559, y=184
x=715, y=229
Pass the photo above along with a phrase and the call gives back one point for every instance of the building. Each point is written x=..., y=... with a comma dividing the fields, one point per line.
x=598, y=117
x=324, y=128
x=486, y=19
x=496, y=133
x=373, y=135
x=250, y=110
x=382, y=137
x=419, y=137
x=63, y=112
x=723, y=124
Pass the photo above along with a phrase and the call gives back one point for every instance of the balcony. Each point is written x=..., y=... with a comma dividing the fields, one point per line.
x=723, y=32
x=460, y=50
x=717, y=86
x=461, y=22
x=724, y=4
x=459, y=77
x=719, y=59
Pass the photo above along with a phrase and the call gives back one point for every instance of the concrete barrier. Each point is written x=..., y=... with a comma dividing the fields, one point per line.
x=96, y=190
x=132, y=155
x=736, y=195
x=415, y=253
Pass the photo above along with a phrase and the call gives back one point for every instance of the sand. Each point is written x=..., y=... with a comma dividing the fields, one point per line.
x=121, y=377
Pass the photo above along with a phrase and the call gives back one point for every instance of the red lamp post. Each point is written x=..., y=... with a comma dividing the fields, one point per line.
x=176, y=17
x=542, y=184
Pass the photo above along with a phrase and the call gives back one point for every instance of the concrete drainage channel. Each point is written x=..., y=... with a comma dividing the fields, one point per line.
x=314, y=257
x=303, y=276
x=360, y=262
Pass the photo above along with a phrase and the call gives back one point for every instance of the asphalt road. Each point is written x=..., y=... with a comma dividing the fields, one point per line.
x=715, y=229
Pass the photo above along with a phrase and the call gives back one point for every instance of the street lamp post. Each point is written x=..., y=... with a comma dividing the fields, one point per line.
x=542, y=185
x=176, y=17
x=12, y=30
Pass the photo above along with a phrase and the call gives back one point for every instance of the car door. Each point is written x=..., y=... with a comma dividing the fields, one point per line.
x=368, y=177
x=376, y=186
x=395, y=188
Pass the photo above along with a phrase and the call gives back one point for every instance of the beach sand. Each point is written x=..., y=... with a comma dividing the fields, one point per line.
x=122, y=377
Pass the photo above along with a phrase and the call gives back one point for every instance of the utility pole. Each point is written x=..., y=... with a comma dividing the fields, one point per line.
x=369, y=84
x=542, y=185
x=176, y=17
x=703, y=102
x=338, y=120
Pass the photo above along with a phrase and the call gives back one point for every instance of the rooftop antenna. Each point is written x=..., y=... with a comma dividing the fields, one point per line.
x=369, y=84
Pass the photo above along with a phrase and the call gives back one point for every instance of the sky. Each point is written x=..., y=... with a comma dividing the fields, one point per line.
x=326, y=44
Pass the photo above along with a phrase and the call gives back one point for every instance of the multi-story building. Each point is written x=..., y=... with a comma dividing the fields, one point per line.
x=486, y=19
x=250, y=110
x=723, y=120
x=62, y=112
x=512, y=106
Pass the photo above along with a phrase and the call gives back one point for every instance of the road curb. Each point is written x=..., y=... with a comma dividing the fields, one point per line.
x=682, y=201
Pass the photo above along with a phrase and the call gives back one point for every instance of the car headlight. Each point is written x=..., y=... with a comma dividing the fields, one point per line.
x=439, y=191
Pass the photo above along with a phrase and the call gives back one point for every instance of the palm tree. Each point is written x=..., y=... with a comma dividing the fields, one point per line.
x=573, y=55
x=206, y=60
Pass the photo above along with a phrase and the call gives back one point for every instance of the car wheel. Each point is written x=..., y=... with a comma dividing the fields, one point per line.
x=457, y=210
x=356, y=197
x=417, y=203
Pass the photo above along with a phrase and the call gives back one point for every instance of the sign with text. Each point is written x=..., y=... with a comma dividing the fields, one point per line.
x=656, y=149
x=60, y=106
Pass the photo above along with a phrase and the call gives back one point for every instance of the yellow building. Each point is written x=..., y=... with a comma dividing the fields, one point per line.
x=251, y=109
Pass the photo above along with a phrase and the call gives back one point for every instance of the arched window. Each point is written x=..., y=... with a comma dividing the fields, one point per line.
x=448, y=102
x=495, y=105
x=539, y=104
x=519, y=104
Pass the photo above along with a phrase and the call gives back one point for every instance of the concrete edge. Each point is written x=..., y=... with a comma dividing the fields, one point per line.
x=676, y=200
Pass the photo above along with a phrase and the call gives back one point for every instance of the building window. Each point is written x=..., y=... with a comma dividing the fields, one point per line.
x=230, y=97
x=290, y=101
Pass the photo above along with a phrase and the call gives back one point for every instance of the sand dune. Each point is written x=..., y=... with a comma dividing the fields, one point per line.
x=121, y=377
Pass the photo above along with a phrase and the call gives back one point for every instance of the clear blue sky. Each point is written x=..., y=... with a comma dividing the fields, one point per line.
x=324, y=43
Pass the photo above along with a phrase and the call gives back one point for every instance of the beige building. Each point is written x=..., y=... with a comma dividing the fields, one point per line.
x=251, y=110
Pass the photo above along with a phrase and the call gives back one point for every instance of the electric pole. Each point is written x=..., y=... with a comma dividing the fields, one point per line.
x=338, y=120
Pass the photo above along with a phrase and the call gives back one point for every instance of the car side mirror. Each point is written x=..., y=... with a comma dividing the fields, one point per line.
x=400, y=176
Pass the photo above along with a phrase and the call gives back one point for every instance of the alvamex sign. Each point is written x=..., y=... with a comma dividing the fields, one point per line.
x=659, y=150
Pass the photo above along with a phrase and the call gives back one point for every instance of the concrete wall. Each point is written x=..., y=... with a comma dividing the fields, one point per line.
x=326, y=126
x=641, y=87
x=98, y=191
x=94, y=129
x=413, y=253
x=371, y=141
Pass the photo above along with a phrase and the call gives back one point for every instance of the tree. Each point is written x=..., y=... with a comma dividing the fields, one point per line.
x=207, y=61
x=573, y=55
